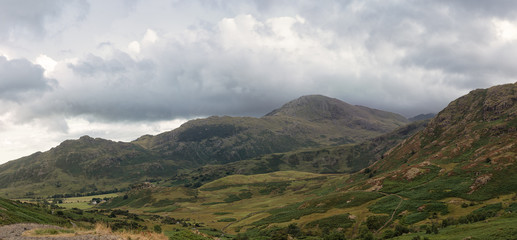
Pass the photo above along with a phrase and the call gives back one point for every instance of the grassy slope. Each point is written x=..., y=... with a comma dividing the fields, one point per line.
x=18, y=212
x=312, y=201
x=346, y=158
x=92, y=165
x=498, y=228
x=80, y=166
x=461, y=166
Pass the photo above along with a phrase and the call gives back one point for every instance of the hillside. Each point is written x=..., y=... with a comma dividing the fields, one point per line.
x=310, y=121
x=317, y=108
x=448, y=181
x=470, y=144
x=421, y=117
x=93, y=165
x=346, y=158
x=18, y=212
x=81, y=166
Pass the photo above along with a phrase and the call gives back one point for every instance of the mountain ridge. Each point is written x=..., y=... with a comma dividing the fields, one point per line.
x=95, y=164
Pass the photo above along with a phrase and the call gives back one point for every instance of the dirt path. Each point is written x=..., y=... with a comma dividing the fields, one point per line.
x=394, y=212
x=15, y=232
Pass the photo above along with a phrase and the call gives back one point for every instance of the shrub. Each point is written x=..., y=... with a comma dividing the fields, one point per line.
x=334, y=236
x=333, y=222
x=376, y=221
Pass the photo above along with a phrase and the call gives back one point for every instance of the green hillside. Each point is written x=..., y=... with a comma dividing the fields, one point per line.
x=310, y=121
x=316, y=206
x=89, y=166
x=469, y=146
x=346, y=158
x=448, y=181
x=19, y=212
x=450, y=178
x=80, y=166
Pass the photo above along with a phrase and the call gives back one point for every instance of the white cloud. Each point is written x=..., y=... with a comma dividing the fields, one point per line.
x=150, y=36
x=47, y=63
x=134, y=48
x=506, y=30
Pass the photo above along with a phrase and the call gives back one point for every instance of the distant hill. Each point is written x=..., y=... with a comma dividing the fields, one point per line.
x=81, y=166
x=309, y=121
x=89, y=165
x=420, y=117
x=317, y=108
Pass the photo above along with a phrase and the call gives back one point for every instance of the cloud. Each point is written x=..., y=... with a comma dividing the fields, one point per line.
x=21, y=19
x=408, y=57
x=20, y=80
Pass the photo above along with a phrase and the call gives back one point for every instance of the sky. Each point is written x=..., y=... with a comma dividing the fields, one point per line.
x=122, y=69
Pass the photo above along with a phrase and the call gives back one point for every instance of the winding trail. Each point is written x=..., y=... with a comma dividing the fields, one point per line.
x=394, y=211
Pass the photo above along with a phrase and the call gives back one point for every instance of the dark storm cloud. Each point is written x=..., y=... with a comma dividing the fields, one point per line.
x=195, y=84
x=20, y=79
x=249, y=57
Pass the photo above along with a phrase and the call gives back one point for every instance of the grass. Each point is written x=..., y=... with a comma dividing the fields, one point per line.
x=164, y=209
x=417, y=210
x=18, y=212
x=497, y=228
x=84, y=202
x=184, y=234
x=333, y=222
x=227, y=220
x=318, y=205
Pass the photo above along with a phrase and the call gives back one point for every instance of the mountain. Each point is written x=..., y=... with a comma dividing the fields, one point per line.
x=453, y=179
x=450, y=178
x=92, y=165
x=346, y=158
x=469, y=146
x=81, y=166
x=309, y=121
x=321, y=109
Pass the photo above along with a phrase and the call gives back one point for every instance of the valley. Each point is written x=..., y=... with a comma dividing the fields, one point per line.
x=316, y=168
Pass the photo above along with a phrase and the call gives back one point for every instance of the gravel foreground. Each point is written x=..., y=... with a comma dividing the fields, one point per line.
x=15, y=232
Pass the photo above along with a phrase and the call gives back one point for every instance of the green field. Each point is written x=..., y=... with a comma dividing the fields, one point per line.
x=84, y=202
